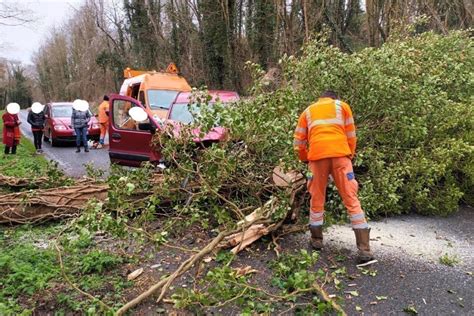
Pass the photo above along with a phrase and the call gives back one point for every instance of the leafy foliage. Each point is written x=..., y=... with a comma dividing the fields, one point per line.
x=29, y=266
x=412, y=100
x=223, y=284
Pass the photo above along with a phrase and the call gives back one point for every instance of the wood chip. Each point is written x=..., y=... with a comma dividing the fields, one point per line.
x=245, y=270
x=135, y=274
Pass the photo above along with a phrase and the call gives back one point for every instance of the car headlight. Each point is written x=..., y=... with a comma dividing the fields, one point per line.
x=60, y=128
x=95, y=126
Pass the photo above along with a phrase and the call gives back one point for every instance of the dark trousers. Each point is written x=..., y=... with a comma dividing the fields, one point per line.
x=81, y=135
x=38, y=137
x=7, y=150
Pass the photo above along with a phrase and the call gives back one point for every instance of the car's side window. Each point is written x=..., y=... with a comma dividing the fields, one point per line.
x=121, y=118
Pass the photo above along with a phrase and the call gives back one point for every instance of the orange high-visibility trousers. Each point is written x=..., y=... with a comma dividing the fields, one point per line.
x=103, y=130
x=340, y=169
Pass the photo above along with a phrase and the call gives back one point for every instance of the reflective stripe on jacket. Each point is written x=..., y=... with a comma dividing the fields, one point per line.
x=325, y=129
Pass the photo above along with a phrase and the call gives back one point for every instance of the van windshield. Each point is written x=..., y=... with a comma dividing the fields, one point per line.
x=161, y=99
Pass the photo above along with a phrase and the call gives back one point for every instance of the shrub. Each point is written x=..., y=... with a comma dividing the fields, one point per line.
x=413, y=106
x=413, y=102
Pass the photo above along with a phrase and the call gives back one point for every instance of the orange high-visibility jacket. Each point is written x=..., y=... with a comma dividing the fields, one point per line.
x=103, y=107
x=325, y=130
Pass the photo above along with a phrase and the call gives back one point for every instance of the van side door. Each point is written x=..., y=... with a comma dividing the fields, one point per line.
x=129, y=141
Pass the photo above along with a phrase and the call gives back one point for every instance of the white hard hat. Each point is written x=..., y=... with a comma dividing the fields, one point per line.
x=37, y=107
x=80, y=105
x=13, y=108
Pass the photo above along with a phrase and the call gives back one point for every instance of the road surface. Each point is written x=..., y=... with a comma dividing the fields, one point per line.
x=408, y=272
x=72, y=163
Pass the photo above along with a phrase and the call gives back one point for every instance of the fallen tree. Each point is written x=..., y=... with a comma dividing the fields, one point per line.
x=19, y=183
x=40, y=205
x=259, y=223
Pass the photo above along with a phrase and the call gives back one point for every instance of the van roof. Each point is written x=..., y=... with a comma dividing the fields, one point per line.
x=157, y=80
x=222, y=95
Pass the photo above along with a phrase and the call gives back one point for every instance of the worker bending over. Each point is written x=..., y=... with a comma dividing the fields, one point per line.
x=325, y=138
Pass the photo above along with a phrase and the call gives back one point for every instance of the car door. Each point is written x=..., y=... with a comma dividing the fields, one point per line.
x=47, y=122
x=128, y=144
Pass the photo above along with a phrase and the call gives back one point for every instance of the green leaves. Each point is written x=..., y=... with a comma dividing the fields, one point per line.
x=414, y=116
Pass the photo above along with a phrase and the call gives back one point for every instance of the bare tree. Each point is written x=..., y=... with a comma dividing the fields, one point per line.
x=11, y=14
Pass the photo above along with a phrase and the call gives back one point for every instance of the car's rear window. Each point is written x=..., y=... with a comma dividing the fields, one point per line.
x=161, y=99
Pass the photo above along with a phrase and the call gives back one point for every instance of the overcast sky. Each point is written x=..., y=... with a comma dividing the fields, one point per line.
x=20, y=42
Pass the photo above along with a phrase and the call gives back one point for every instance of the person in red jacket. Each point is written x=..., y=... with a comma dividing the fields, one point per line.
x=11, y=130
x=325, y=138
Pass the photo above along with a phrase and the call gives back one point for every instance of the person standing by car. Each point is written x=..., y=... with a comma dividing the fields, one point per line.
x=80, y=120
x=103, y=119
x=36, y=119
x=11, y=128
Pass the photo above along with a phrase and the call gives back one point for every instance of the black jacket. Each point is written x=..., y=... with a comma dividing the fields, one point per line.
x=36, y=120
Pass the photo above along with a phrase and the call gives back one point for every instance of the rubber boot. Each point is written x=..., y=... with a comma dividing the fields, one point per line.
x=316, y=240
x=78, y=150
x=363, y=244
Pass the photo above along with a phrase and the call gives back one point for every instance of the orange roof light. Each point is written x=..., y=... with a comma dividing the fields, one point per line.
x=130, y=73
x=172, y=69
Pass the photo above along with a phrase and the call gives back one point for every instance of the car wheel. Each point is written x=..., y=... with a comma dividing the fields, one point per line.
x=54, y=142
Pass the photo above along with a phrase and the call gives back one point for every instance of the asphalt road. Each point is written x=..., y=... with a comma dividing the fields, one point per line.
x=408, y=272
x=72, y=163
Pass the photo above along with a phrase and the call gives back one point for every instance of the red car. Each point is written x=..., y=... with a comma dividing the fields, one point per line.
x=57, y=127
x=130, y=142
x=182, y=112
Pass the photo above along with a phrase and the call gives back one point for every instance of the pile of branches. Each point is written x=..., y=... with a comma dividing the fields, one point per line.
x=33, y=206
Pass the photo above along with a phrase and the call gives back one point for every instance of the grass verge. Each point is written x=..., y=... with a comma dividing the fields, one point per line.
x=25, y=163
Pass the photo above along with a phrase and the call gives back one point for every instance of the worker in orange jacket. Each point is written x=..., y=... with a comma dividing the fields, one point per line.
x=325, y=138
x=103, y=119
